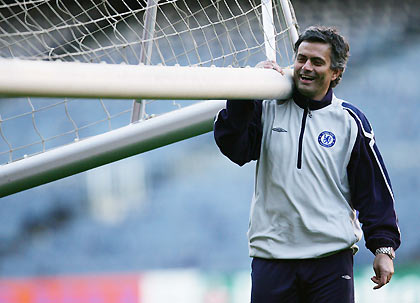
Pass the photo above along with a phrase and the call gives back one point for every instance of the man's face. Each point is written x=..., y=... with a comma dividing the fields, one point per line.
x=312, y=73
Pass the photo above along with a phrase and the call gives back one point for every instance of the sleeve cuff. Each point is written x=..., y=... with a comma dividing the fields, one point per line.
x=374, y=244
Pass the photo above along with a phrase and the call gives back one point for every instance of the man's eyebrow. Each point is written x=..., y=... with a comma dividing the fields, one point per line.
x=312, y=58
x=318, y=58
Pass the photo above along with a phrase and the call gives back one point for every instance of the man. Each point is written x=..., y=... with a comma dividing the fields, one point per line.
x=317, y=164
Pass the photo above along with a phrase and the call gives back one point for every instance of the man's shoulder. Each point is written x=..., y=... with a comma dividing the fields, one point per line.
x=355, y=113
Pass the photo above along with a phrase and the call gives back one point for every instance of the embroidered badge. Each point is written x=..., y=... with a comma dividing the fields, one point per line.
x=326, y=139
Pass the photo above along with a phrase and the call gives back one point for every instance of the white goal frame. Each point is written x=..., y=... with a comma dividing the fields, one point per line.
x=51, y=79
x=182, y=82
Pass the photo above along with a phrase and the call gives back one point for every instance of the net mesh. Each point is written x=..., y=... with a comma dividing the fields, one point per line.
x=188, y=33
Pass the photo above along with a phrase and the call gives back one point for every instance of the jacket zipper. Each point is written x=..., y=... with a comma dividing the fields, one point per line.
x=306, y=112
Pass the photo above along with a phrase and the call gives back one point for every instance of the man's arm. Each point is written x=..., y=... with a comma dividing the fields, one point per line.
x=372, y=196
x=238, y=130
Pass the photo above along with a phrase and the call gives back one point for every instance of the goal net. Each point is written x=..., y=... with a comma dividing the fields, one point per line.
x=85, y=83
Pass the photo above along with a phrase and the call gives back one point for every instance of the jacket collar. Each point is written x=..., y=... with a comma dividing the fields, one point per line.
x=304, y=102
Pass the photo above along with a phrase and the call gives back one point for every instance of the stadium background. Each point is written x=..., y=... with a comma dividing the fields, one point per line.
x=178, y=231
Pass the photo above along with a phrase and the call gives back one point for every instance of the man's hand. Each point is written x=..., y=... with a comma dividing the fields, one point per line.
x=384, y=269
x=270, y=65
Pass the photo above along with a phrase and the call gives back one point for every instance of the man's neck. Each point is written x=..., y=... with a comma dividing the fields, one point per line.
x=305, y=102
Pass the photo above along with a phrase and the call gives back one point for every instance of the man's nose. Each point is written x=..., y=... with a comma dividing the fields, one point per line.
x=307, y=66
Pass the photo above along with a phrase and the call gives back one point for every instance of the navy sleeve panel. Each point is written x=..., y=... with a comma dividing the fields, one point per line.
x=238, y=130
x=370, y=186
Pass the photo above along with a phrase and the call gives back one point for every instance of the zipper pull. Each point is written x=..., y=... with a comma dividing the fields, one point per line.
x=309, y=113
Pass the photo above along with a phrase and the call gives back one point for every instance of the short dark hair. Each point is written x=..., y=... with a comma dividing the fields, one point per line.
x=339, y=46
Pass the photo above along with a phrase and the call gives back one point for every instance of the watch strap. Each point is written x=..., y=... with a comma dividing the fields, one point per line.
x=387, y=251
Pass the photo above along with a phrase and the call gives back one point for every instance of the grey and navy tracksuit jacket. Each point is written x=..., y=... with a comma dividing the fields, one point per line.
x=319, y=173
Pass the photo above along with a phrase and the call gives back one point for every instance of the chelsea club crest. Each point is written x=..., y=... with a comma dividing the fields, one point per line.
x=326, y=139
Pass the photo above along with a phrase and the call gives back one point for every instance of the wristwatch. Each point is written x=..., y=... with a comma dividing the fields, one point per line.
x=387, y=251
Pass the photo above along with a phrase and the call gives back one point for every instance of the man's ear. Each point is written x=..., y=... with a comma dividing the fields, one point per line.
x=336, y=73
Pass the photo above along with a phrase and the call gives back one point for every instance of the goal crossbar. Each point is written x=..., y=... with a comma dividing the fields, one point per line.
x=75, y=79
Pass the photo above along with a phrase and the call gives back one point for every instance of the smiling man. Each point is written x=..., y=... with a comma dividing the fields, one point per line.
x=312, y=70
x=318, y=164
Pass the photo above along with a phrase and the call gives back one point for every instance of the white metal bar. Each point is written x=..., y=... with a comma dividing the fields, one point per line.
x=138, y=111
x=139, y=106
x=269, y=32
x=109, y=147
x=75, y=79
x=290, y=20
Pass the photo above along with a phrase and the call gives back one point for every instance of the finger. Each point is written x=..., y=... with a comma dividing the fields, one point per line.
x=377, y=281
x=267, y=64
x=278, y=69
x=384, y=278
x=262, y=64
x=379, y=285
x=388, y=278
x=270, y=65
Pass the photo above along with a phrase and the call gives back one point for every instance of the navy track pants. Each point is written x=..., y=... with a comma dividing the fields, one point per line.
x=321, y=280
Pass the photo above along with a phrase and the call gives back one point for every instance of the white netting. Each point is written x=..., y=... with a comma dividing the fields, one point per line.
x=204, y=33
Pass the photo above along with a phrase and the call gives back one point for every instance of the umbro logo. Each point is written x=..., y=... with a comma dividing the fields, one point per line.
x=279, y=129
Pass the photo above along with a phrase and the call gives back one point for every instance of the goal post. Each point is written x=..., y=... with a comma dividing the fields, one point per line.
x=109, y=147
x=64, y=63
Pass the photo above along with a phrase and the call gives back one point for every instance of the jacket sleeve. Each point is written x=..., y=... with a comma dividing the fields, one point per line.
x=371, y=189
x=238, y=130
